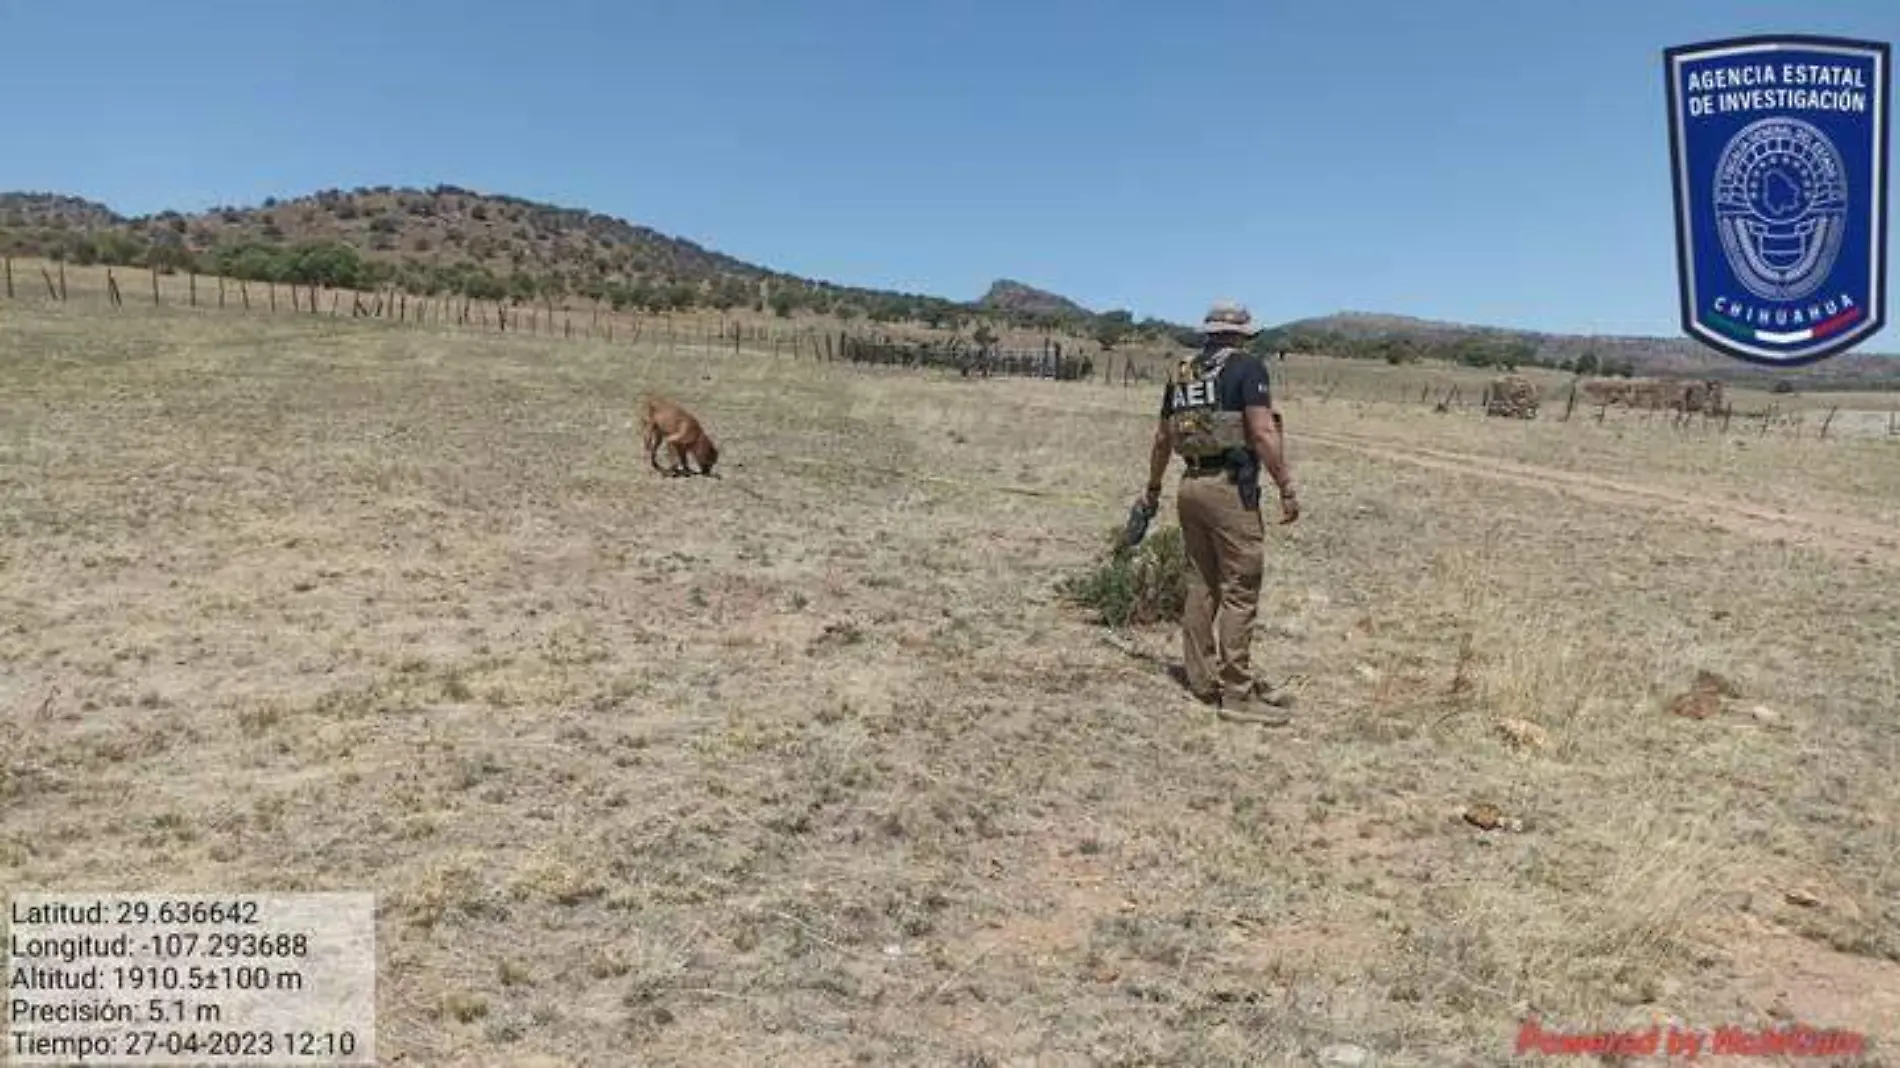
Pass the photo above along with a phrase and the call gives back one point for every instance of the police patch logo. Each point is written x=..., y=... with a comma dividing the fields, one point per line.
x=1780, y=205
x=1778, y=150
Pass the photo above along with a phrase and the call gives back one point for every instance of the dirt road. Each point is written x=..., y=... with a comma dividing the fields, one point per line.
x=1858, y=540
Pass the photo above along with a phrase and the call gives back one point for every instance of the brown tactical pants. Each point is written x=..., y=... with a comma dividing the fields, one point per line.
x=1226, y=559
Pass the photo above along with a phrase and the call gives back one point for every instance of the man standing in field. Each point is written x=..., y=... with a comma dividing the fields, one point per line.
x=1217, y=414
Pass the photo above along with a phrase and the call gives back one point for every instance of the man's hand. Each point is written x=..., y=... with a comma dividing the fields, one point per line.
x=1160, y=450
x=1264, y=429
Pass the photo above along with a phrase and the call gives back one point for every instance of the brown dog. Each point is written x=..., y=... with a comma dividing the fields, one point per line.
x=667, y=424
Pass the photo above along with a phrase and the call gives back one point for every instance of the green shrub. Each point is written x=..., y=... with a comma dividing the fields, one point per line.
x=1135, y=587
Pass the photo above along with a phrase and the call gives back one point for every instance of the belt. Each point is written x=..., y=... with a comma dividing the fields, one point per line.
x=1212, y=465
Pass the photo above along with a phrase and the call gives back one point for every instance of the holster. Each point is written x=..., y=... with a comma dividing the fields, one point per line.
x=1243, y=469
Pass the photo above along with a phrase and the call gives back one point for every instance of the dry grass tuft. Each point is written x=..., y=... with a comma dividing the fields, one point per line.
x=1141, y=586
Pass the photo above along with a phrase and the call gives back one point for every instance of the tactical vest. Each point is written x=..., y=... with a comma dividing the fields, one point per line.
x=1201, y=430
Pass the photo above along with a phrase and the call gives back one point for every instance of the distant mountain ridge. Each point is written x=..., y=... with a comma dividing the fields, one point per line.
x=490, y=246
x=1398, y=337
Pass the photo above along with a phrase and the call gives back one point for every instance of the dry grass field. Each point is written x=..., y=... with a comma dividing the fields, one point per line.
x=814, y=764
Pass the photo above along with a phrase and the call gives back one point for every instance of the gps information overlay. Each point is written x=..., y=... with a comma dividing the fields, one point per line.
x=176, y=979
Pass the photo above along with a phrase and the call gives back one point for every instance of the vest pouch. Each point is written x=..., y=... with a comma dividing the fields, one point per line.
x=1203, y=433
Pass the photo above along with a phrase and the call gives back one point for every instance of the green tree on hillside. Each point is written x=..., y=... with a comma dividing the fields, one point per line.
x=327, y=264
x=523, y=287
x=1112, y=328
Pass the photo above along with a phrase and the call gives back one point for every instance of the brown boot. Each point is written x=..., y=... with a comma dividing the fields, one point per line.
x=1249, y=708
x=1279, y=696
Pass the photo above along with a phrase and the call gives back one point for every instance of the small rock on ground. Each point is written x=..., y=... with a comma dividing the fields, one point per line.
x=1524, y=734
x=1485, y=815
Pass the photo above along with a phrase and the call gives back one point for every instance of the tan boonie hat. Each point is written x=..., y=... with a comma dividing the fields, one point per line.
x=1227, y=317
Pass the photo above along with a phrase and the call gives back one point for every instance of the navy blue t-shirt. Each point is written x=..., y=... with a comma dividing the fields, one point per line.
x=1242, y=383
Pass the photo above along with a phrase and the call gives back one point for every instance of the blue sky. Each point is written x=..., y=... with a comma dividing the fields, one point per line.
x=1501, y=162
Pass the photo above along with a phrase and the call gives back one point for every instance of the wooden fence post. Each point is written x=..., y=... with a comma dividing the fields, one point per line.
x=62, y=281
x=220, y=292
x=244, y=293
x=9, y=277
x=112, y=289
x=52, y=288
x=194, y=289
x=154, y=286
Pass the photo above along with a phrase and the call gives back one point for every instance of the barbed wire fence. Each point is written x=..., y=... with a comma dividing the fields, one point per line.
x=707, y=329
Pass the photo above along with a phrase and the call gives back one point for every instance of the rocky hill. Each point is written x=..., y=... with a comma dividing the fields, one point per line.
x=487, y=246
x=1008, y=295
x=54, y=211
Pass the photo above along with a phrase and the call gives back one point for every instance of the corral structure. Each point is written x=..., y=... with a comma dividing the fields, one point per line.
x=1706, y=395
x=1512, y=397
x=968, y=359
